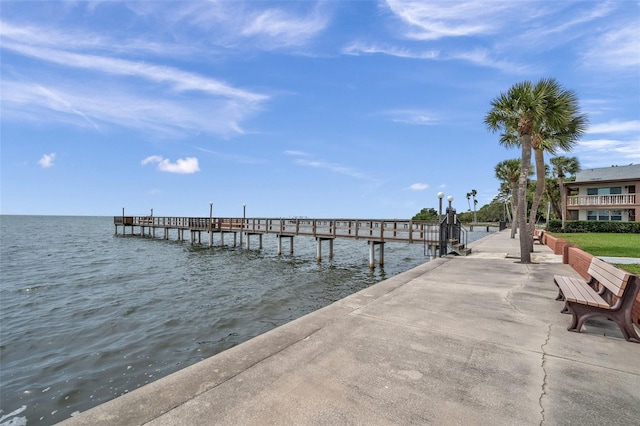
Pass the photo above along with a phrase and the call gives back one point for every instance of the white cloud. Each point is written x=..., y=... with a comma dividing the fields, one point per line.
x=617, y=48
x=435, y=20
x=152, y=159
x=611, y=150
x=237, y=24
x=115, y=90
x=296, y=153
x=283, y=28
x=182, y=165
x=615, y=126
x=358, y=48
x=418, y=186
x=178, y=80
x=95, y=104
x=412, y=116
x=304, y=159
x=47, y=160
x=484, y=58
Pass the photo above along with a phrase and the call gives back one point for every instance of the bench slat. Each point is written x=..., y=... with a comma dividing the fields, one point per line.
x=614, y=279
x=577, y=290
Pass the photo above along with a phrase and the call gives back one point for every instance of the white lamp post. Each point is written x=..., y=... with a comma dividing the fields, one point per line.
x=440, y=197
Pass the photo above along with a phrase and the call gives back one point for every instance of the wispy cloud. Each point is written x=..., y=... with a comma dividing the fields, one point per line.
x=362, y=48
x=615, y=126
x=611, y=150
x=303, y=159
x=436, y=20
x=100, y=89
x=186, y=165
x=90, y=105
x=177, y=80
x=240, y=159
x=412, y=116
x=486, y=58
x=46, y=160
x=283, y=28
x=241, y=24
x=617, y=48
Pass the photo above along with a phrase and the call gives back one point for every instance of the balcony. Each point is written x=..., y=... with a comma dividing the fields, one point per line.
x=618, y=200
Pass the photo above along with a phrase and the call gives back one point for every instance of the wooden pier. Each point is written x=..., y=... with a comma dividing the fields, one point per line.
x=376, y=232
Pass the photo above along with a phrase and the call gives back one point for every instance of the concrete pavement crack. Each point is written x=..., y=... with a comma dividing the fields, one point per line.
x=544, y=379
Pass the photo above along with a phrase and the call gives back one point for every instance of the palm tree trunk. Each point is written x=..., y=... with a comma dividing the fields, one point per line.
x=514, y=208
x=563, y=201
x=540, y=177
x=526, y=239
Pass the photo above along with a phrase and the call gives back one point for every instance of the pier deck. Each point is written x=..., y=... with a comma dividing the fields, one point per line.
x=383, y=230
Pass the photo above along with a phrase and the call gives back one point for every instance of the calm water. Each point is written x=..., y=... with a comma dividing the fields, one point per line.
x=87, y=316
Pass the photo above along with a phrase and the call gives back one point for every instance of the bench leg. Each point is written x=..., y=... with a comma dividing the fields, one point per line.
x=581, y=313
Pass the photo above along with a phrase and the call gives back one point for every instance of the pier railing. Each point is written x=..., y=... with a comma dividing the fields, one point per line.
x=382, y=230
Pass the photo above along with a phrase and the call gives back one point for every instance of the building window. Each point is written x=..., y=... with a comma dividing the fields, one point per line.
x=604, y=215
x=614, y=190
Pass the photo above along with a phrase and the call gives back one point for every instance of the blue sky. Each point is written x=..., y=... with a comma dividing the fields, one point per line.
x=352, y=109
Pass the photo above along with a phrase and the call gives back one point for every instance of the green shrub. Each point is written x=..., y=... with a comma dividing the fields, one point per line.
x=555, y=225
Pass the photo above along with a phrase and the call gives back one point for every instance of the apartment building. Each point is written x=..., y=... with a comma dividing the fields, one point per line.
x=607, y=193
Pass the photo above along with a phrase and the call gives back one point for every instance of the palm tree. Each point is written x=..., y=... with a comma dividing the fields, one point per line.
x=545, y=112
x=508, y=172
x=561, y=167
x=475, y=203
x=515, y=113
x=563, y=125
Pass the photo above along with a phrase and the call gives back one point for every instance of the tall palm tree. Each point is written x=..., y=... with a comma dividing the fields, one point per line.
x=563, y=166
x=508, y=172
x=515, y=113
x=545, y=112
x=563, y=125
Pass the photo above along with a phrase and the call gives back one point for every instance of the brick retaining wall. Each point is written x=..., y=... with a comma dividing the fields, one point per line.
x=579, y=260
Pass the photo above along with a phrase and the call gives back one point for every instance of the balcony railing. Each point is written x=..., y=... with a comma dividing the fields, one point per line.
x=601, y=200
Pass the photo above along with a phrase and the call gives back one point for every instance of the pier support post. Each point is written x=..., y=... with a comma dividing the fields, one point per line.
x=221, y=239
x=319, y=247
x=280, y=237
x=249, y=240
x=372, y=256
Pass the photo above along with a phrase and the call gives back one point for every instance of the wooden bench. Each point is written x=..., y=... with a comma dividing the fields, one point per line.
x=537, y=236
x=585, y=299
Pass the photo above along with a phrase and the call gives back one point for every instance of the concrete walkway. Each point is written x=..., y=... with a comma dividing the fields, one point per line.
x=475, y=340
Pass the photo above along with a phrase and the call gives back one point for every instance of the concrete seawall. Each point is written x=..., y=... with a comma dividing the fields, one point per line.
x=473, y=340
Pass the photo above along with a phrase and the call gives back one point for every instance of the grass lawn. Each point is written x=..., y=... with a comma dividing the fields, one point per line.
x=601, y=244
